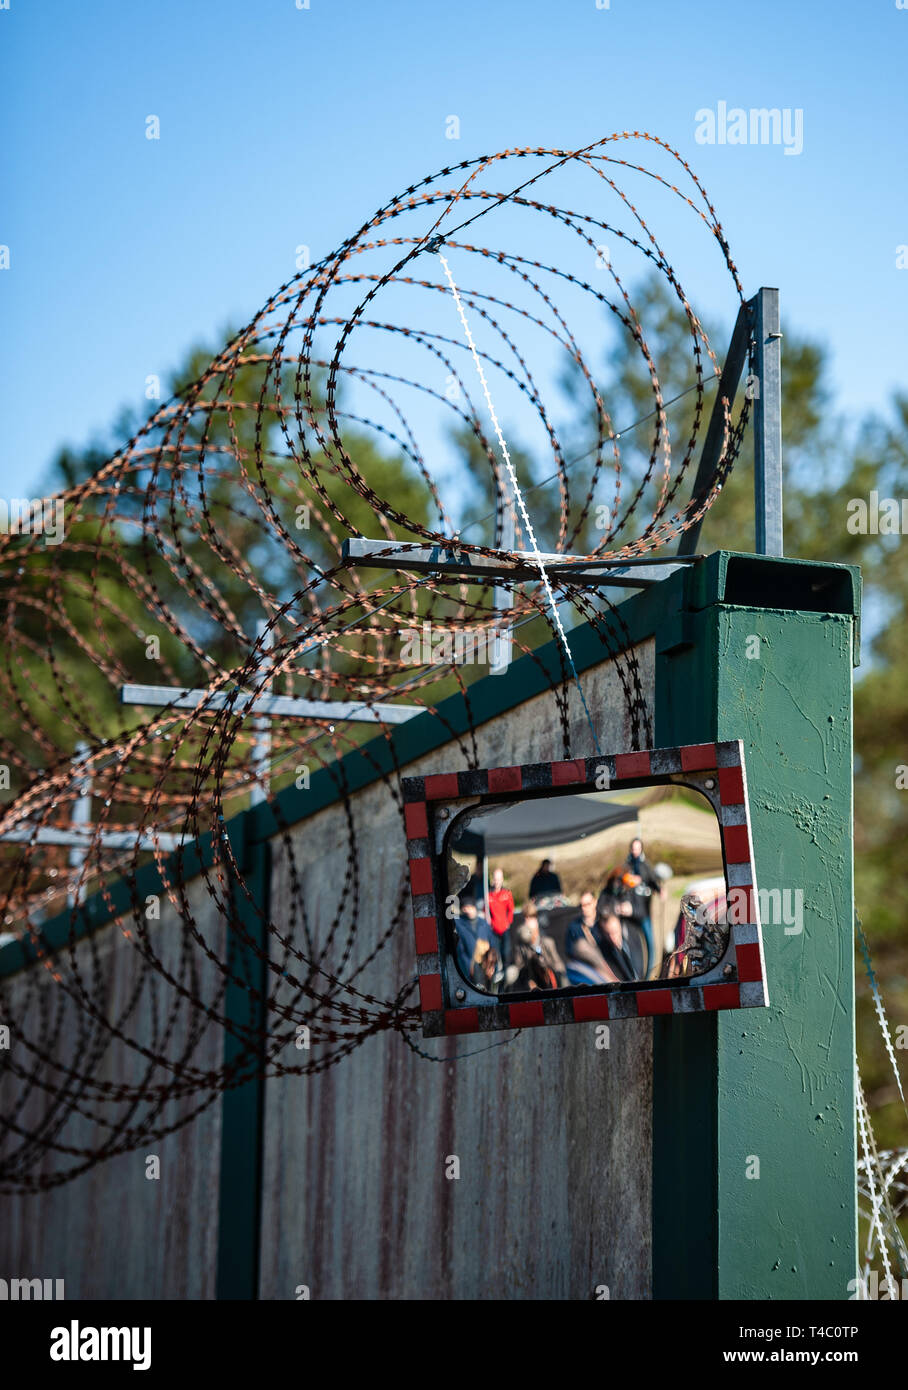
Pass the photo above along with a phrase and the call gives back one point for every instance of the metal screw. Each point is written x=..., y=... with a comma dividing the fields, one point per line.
x=460, y=995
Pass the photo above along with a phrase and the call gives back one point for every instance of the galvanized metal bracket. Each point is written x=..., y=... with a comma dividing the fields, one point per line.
x=757, y=334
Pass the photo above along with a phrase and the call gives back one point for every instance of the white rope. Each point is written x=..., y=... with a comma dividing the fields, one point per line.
x=518, y=495
x=876, y=1202
x=880, y=1009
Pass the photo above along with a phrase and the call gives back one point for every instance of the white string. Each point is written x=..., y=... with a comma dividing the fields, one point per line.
x=880, y=1009
x=876, y=1202
x=518, y=495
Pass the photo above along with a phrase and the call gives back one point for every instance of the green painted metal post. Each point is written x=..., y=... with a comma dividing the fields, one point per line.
x=754, y=1193
x=242, y=1106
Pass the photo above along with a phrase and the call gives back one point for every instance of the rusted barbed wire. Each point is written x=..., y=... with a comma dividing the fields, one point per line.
x=207, y=549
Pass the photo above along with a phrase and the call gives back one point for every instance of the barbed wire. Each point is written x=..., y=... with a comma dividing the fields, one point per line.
x=207, y=549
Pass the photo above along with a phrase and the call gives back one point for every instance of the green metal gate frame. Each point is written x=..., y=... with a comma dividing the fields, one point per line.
x=780, y=1081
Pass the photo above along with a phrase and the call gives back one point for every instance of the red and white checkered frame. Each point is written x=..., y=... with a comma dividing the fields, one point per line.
x=451, y=1004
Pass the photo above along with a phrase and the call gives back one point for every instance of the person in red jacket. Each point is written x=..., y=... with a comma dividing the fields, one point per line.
x=501, y=915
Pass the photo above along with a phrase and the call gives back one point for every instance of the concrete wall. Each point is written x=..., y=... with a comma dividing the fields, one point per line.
x=112, y=1232
x=552, y=1133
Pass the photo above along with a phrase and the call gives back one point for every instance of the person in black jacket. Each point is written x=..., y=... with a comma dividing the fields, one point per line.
x=640, y=899
x=622, y=952
x=618, y=924
x=589, y=941
x=545, y=883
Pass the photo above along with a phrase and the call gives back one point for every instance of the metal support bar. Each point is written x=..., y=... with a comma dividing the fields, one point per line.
x=82, y=835
x=758, y=320
x=261, y=744
x=446, y=561
x=82, y=840
x=287, y=706
x=81, y=816
x=243, y=1105
x=715, y=433
x=768, y=423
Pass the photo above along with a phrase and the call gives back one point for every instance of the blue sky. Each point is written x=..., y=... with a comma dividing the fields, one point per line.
x=282, y=126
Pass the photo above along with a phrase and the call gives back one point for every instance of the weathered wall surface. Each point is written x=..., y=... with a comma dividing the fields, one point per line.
x=553, y=1135
x=112, y=1232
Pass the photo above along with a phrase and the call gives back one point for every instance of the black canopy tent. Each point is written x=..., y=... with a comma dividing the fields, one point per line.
x=543, y=822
